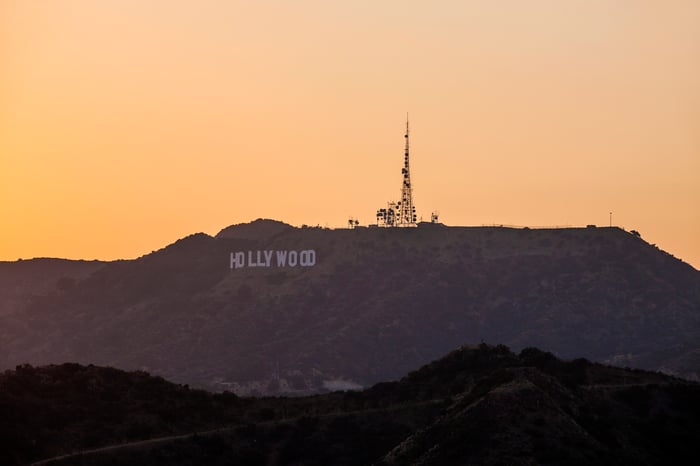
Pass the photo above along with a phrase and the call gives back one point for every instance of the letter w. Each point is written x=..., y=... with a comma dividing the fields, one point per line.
x=281, y=258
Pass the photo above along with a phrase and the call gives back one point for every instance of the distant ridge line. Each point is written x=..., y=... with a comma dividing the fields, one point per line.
x=548, y=227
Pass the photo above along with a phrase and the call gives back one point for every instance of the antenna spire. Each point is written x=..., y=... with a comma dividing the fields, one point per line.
x=403, y=212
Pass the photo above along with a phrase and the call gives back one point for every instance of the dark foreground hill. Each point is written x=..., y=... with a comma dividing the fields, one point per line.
x=354, y=307
x=477, y=406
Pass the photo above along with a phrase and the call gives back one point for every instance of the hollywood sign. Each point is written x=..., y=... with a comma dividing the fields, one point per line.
x=272, y=258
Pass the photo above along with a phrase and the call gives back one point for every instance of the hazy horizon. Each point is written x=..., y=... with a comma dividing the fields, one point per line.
x=128, y=125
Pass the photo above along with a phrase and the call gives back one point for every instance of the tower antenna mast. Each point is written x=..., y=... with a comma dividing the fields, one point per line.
x=403, y=212
x=406, y=211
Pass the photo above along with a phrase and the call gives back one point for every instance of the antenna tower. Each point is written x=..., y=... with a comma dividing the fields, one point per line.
x=406, y=210
x=403, y=212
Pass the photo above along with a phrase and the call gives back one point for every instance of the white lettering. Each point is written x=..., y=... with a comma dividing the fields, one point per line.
x=264, y=258
x=281, y=258
x=311, y=261
x=237, y=260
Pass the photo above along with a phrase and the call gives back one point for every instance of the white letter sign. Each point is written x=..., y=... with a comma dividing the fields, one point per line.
x=272, y=258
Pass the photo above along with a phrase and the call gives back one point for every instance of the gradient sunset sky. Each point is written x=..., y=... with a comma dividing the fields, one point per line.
x=127, y=124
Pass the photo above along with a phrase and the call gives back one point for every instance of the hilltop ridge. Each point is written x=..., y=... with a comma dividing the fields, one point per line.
x=376, y=303
x=261, y=228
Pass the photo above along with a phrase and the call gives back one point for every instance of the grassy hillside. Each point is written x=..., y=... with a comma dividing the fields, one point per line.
x=478, y=405
x=376, y=304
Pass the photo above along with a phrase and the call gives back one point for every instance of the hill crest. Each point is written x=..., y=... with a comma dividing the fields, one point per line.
x=258, y=229
x=376, y=303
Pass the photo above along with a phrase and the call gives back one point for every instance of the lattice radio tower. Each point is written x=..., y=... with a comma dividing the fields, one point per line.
x=403, y=212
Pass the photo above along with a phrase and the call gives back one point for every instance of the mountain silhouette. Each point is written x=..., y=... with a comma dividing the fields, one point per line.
x=480, y=405
x=375, y=304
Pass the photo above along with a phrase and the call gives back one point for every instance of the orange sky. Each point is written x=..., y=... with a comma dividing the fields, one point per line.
x=127, y=124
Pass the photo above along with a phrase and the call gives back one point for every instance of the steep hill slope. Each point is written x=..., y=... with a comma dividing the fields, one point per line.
x=26, y=281
x=375, y=303
x=478, y=405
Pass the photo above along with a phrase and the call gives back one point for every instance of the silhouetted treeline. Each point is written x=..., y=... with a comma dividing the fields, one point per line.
x=478, y=405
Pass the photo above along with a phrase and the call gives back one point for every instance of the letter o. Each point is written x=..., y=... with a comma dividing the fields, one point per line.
x=292, y=259
x=307, y=258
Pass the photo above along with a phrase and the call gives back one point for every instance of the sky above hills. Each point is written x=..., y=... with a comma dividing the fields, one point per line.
x=125, y=125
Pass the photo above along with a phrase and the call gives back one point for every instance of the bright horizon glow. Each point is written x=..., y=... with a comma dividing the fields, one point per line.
x=126, y=125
